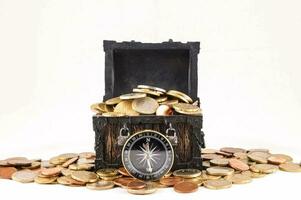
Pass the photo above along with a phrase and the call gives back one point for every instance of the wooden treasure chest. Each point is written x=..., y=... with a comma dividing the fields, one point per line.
x=169, y=65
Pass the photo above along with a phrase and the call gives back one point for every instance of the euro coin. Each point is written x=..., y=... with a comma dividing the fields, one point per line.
x=220, y=162
x=126, y=108
x=69, y=162
x=147, y=91
x=113, y=114
x=84, y=176
x=146, y=105
x=290, y=167
x=264, y=168
x=113, y=101
x=186, y=187
x=258, y=157
x=238, y=164
x=123, y=181
x=24, y=176
x=151, y=88
x=232, y=150
x=45, y=180
x=7, y=172
x=217, y=184
x=164, y=110
x=287, y=158
x=148, y=189
x=185, y=107
x=136, y=184
x=19, y=162
x=51, y=171
x=210, y=156
x=161, y=99
x=169, y=102
x=170, y=181
x=100, y=185
x=67, y=180
x=239, y=179
x=132, y=96
x=180, y=95
x=187, y=173
x=196, y=113
x=220, y=171
x=123, y=171
x=110, y=178
x=107, y=172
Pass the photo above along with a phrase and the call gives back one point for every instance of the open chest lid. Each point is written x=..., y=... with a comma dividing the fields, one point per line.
x=168, y=65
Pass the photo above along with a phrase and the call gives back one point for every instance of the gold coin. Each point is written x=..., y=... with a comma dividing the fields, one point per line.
x=84, y=176
x=51, y=171
x=264, y=168
x=87, y=155
x=24, y=176
x=147, y=91
x=70, y=161
x=239, y=179
x=151, y=88
x=180, y=95
x=107, y=172
x=258, y=157
x=148, y=189
x=217, y=184
x=208, y=151
x=66, y=172
x=113, y=114
x=220, y=162
x=240, y=155
x=100, y=185
x=67, y=180
x=110, y=178
x=220, y=171
x=146, y=105
x=45, y=180
x=113, y=101
x=210, y=156
x=205, y=176
x=290, y=167
x=132, y=96
x=164, y=110
x=196, y=113
x=126, y=108
x=101, y=108
x=280, y=157
x=170, y=102
x=185, y=107
x=198, y=180
x=161, y=99
x=253, y=174
x=187, y=173
x=232, y=150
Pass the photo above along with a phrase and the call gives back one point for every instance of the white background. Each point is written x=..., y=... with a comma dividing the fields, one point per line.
x=52, y=69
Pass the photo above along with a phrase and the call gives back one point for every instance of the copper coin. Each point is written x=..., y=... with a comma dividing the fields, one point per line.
x=290, y=167
x=136, y=184
x=19, y=162
x=171, y=181
x=51, y=171
x=258, y=157
x=7, y=172
x=276, y=160
x=210, y=151
x=123, y=171
x=264, y=168
x=232, y=150
x=67, y=180
x=87, y=155
x=238, y=164
x=69, y=162
x=186, y=187
x=123, y=181
x=4, y=163
x=164, y=110
x=259, y=150
x=280, y=158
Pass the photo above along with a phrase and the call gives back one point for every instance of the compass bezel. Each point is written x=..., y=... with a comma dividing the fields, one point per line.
x=161, y=135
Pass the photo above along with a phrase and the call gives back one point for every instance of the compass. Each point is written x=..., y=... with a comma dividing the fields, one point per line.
x=147, y=155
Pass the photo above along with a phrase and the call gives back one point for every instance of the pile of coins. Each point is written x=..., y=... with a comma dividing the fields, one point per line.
x=148, y=100
x=224, y=167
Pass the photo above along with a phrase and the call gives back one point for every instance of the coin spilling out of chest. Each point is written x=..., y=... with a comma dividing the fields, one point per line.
x=148, y=100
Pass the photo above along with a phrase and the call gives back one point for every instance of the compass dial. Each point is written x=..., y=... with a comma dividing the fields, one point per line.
x=147, y=155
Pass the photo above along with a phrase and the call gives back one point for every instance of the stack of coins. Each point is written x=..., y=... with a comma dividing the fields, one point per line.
x=148, y=100
x=223, y=168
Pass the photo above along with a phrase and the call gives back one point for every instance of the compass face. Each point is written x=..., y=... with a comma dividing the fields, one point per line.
x=147, y=155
